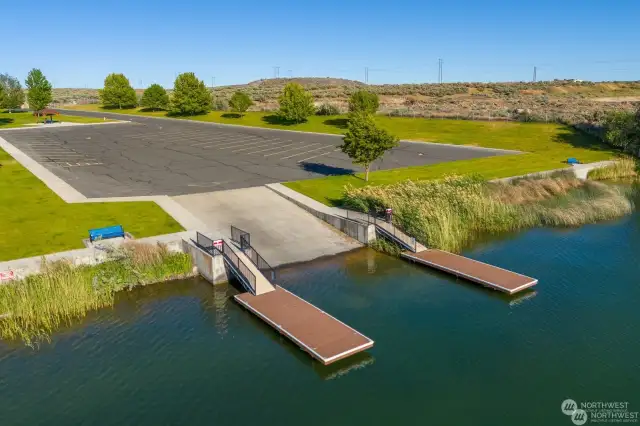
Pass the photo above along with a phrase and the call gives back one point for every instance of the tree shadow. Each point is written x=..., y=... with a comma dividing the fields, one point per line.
x=6, y=121
x=231, y=115
x=116, y=108
x=340, y=123
x=326, y=170
x=152, y=109
x=580, y=139
x=183, y=114
x=277, y=120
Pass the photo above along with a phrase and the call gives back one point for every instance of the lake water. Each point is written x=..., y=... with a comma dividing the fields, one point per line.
x=446, y=353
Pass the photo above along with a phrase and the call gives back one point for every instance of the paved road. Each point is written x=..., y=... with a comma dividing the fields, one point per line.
x=151, y=156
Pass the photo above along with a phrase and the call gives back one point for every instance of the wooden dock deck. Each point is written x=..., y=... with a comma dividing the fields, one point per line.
x=313, y=330
x=473, y=270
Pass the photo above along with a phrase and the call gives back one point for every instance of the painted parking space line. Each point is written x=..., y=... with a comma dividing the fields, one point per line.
x=225, y=142
x=243, y=144
x=319, y=155
x=291, y=149
x=270, y=149
x=259, y=146
x=236, y=141
x=80, y=164
x=305, y=152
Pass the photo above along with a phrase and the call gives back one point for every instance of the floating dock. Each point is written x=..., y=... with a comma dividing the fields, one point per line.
x=473, y=270
x=313, y=330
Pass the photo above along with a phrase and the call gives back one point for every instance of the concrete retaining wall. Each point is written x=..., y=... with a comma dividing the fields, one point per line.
x=356, y=230
x=212, y=268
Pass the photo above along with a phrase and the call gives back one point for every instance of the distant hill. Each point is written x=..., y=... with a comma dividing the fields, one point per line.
x=567, y=100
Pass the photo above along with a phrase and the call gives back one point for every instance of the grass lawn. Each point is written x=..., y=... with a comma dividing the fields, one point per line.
x=19, y=119
x=35, y=221
x=546, y=145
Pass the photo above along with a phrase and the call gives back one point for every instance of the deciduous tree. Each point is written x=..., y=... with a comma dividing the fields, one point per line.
x=364, y=142
x=364, y=101
x=117, y=92
x=13, y=94
x=240, y=102
x=155, y=97
x=295, y=103
x=39, y=93
x=190, y=96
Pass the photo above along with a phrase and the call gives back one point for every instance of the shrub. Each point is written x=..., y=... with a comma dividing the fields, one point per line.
x=364, y=101
x=295, y=103
x=220, y=104
x=240, y=102
x=327, y=109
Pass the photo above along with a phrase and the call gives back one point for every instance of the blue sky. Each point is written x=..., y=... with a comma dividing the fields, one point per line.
x=77, y=43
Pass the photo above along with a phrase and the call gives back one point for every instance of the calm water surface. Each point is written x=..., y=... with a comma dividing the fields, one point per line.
x=446, y=353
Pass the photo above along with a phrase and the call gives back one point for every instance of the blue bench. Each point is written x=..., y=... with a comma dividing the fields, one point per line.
x=106, y=232
x=572, y=161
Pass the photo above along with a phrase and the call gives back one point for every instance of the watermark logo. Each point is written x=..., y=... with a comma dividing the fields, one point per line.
x=569, y=406
x=598, y=412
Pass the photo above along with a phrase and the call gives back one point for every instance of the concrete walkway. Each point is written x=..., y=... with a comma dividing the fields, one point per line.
x=280, y=231
x=88, y=256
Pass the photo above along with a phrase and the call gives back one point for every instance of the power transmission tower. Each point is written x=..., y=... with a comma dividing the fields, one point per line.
x=535, y=74
x=276, y=72
x=213, y=82
x=439, y=70
x=290, y=74
x=366, y=75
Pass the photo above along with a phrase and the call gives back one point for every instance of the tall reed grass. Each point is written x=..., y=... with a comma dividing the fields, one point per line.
x=623, y=168
x=451, y=213
x=33, y=308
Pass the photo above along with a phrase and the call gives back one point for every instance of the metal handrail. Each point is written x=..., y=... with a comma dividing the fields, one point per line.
x=244, y=239
x=386, y=228
x=239, y=236
x=230, y=256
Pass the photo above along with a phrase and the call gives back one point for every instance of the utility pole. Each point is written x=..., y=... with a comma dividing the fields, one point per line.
x=535, y=72
x=366, y=75
x=439, y=70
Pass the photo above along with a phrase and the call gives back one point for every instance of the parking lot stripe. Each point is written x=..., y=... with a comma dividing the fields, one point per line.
x=319, y=155
x=270, y=149
x=305, y=152
x=247, y=144
x=253, y=147
x=291, y=149
x=236, y=141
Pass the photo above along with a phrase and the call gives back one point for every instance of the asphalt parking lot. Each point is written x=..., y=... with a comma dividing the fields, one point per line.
x=150, y=156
